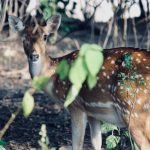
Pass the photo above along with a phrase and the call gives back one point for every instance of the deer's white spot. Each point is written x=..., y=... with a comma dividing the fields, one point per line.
x=146, y=106
x=118, y=83
x=108, y=77
x=112, y=62
x=138, y=60
x=121, y=87
x=145, y=91
x=109, y=86
x=113, y=72
x=138, y=101
x=104, y=74
x=64, y=83
x=108, y=57
x=147, y=67
x=103, y=90
x=103, y=68
x=123, y=64
x=99, y=85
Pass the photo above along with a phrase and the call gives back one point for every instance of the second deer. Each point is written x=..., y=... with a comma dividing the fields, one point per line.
x=121, y=96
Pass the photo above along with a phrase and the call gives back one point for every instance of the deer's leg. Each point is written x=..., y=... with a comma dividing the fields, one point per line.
x=79, y=121
x=96, y=136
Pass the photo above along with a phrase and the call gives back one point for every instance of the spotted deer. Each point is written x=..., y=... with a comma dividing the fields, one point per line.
x=121, y=95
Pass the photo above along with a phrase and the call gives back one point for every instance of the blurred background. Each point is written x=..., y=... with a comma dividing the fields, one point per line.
x=109, y=23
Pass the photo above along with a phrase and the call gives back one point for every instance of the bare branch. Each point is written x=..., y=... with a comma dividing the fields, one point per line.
x=0, y=7
x=108, y=33
x=22, y=8
x=135, y=33
x=16, y=8
x=3, y=15
x=10, y=7
x=10, y=121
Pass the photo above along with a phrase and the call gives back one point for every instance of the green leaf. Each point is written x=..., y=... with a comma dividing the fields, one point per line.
x=27, y=104
x=47, y=13
x=84, y=48
x=112, y=141
x=44, y=2
x=91, y=47
x=63, y=69
x=91, y=81
x=40, y=82
x=78, y=72
x=106, y=127
x=73, y=92
x=96, y=47
x=94, y=61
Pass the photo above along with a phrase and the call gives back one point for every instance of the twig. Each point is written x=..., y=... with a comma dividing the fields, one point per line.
x=4, y=15
x=10, y=121
x=0, y=8
x=148, y=25
x=125, y=28
x=22, y=8
x=108, y=33
x=16, y=8
x=135, y=33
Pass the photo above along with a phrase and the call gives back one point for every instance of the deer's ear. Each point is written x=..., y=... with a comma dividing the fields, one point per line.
x=53, y=24
x=16, y=24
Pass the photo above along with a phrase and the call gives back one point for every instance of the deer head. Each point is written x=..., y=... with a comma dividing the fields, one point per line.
x=34, y=40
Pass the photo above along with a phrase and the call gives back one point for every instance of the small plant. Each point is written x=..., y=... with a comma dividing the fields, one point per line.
x=44, y=140
x=111, y=140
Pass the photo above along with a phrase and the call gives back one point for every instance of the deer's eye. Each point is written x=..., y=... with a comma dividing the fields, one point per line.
x=44, y=37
